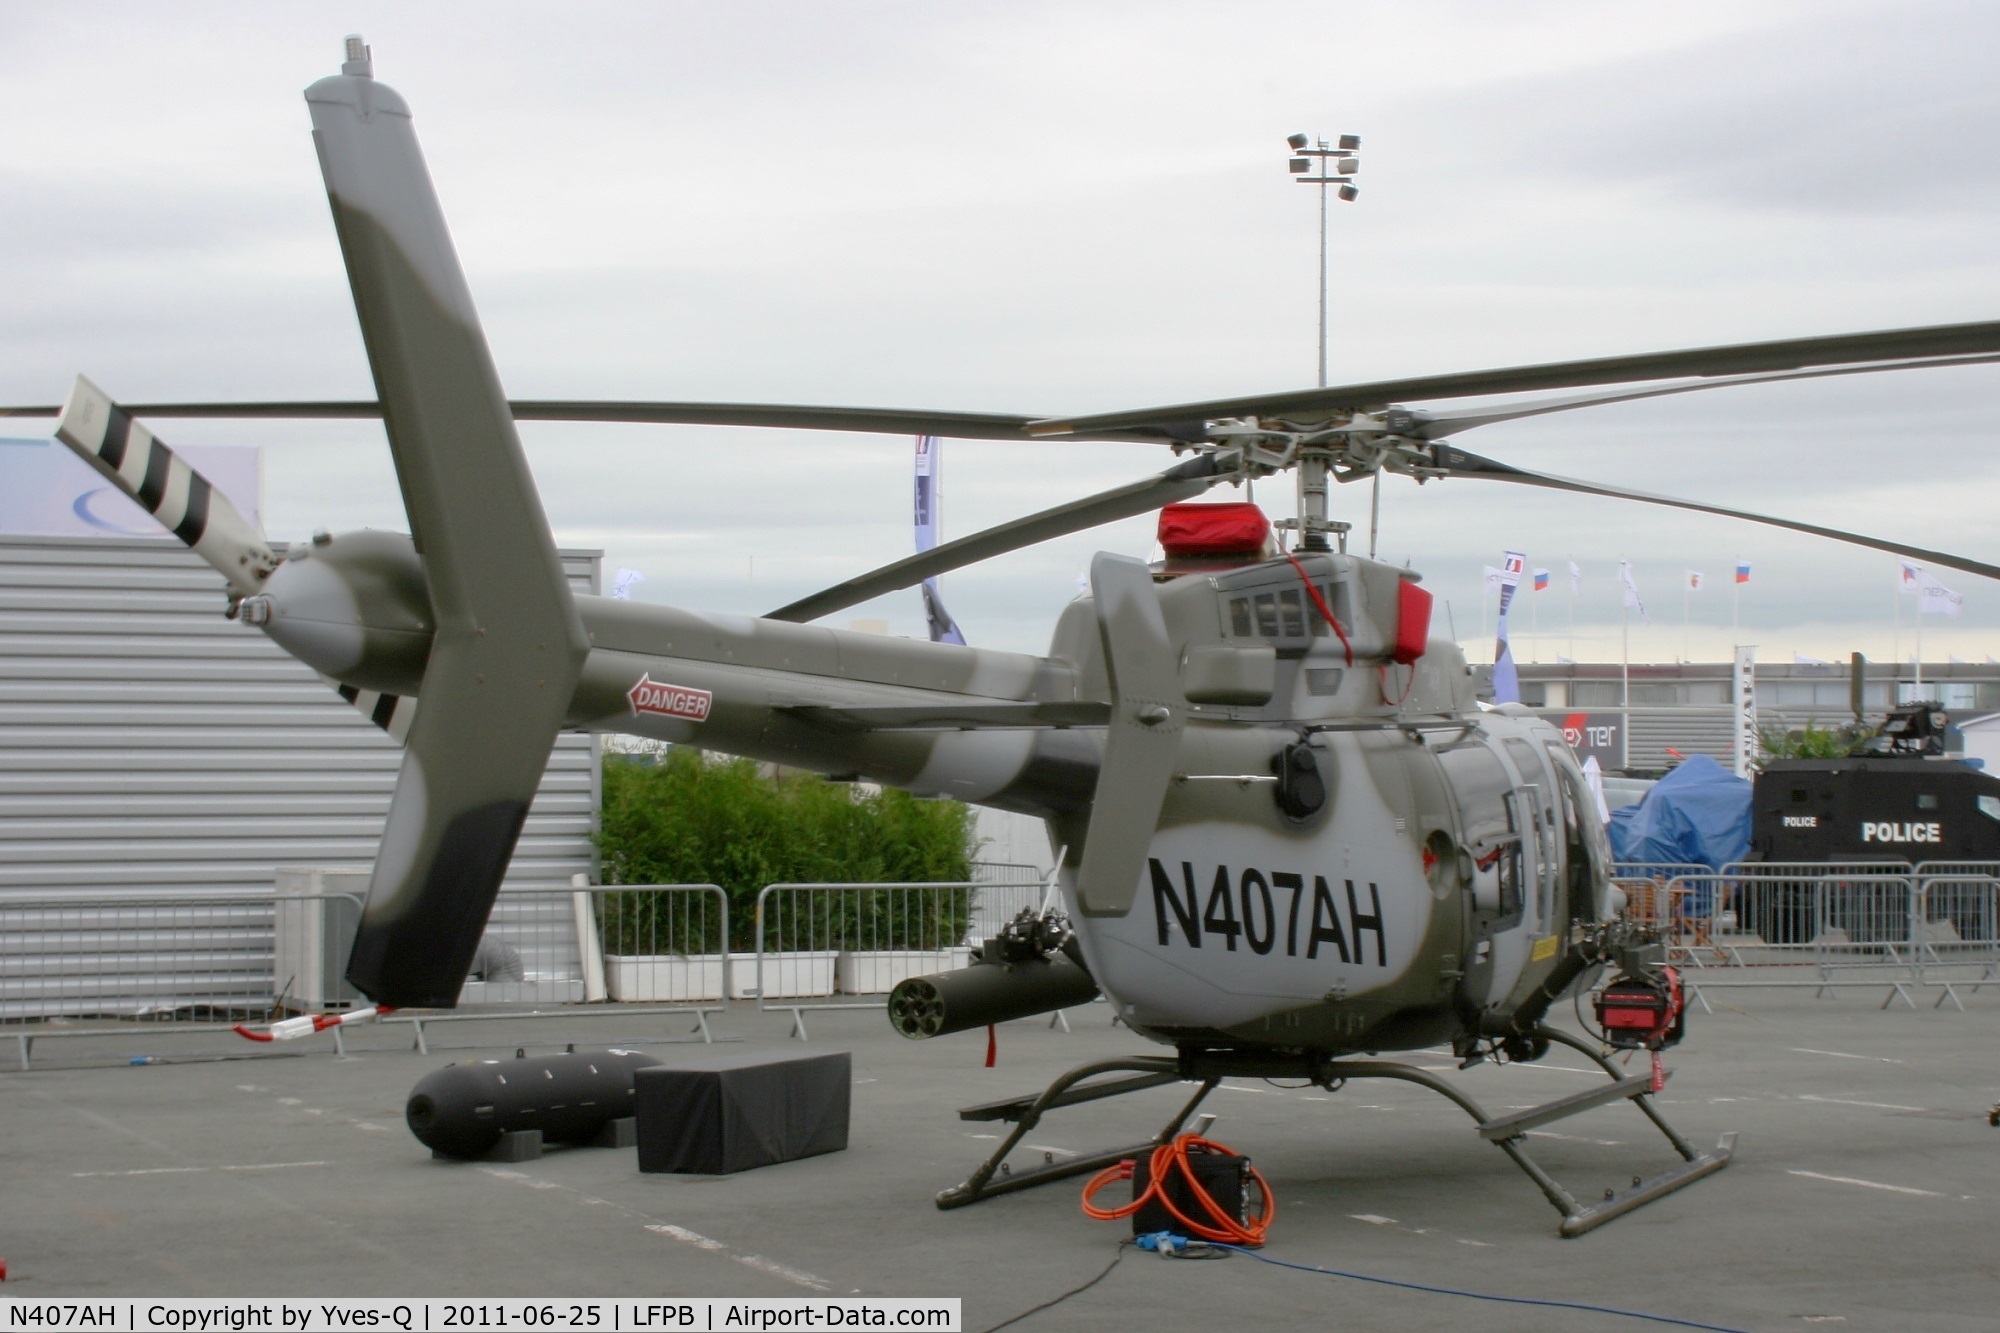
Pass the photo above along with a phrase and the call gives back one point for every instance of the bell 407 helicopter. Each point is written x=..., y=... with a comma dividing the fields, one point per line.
x=1293, y=839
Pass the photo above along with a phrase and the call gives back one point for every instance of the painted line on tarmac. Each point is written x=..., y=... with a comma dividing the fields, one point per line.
x=1870, y=1184
x=794, y=1276
x=1846, y=1101
x=1377, y=1220
x=192, y=1170
x=1846, y=1055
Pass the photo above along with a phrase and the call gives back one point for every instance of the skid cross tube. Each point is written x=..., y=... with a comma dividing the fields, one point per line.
x=993, y=1176
x=1507, y=1133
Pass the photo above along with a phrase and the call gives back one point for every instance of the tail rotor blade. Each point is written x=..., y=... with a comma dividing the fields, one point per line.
x=509, y=645
x=160, y=481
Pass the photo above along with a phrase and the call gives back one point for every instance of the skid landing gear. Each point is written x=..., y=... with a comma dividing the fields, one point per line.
x=1208, y=1068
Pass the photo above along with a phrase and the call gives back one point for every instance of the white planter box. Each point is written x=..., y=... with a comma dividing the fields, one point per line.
x=877, y=971
x=657, y=977
x=787, y=976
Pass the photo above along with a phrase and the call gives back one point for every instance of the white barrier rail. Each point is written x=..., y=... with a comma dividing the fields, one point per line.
x=82, y=965
x=845, y=946
x=1820, y=926
x=653, y=948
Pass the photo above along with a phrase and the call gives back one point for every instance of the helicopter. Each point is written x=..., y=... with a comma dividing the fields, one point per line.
x=1293, y=839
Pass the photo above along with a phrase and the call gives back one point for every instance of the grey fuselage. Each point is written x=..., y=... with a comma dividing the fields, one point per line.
x=1435, y=888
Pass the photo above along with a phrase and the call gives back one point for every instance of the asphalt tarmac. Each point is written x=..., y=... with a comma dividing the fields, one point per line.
x=1864, y=1195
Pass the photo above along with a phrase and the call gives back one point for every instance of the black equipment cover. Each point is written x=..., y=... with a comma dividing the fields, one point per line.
x=712, y=1114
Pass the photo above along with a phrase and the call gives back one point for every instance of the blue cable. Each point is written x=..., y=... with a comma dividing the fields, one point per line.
x=1480, y=1295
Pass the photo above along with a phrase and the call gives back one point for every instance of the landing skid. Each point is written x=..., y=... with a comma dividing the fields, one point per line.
x=1508, y=1133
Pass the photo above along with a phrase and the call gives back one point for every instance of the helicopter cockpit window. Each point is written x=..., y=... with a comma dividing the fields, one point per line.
x=1267, y=614
x=1541, y=806
x=1292, y=613
x=1239, y=617
x=1486, y=812
x=1587, y=869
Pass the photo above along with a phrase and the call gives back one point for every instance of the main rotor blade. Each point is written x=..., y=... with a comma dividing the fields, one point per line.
x=1183, y=481
x=1456, y=462
x=1447, y=424
x=1888, y=345
x=775, y=416
x=509, y=644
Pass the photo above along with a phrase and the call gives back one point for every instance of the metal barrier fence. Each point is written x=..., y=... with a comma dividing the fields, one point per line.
x=70, y=963
x=1821, y=926
x=83, y=966
x=661, y=946
x=845, y=946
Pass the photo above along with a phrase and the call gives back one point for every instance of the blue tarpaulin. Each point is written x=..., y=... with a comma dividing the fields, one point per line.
x=1699, y=814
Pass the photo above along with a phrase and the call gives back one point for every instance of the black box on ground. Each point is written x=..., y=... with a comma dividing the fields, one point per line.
x=1225, y=1177
x=718, y=1112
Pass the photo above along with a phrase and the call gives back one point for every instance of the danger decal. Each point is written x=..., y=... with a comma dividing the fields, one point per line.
x=651, y=696
x=1268, y=912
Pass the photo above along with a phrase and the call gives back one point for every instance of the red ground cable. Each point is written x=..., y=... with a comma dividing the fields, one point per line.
x=1173, y=1157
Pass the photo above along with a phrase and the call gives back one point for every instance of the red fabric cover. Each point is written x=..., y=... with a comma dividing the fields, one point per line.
x=1213, y=529
x=1413, y=622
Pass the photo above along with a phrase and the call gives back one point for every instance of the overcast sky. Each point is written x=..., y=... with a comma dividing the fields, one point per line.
x=1066, y=207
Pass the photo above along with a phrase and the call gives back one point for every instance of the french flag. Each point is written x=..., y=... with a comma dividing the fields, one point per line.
x=1742, y=571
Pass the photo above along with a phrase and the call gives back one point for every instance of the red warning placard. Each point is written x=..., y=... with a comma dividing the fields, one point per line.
x=651, y=696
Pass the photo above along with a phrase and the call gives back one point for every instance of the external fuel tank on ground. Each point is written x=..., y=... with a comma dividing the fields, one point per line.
x=463, y=1109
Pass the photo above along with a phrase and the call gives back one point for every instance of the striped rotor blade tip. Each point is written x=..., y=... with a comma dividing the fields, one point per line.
x=160, y=481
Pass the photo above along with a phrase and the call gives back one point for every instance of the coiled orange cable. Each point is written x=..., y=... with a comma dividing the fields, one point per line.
x=1172, y=1157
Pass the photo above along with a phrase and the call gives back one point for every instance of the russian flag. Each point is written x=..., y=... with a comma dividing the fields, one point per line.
x=1742, y=571
x=1541, y=580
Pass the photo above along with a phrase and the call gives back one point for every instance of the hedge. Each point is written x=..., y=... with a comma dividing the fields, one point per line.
x=685, y=817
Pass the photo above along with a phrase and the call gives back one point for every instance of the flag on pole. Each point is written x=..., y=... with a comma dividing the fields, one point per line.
x=1541, y=580
x=1956, y=660
x=1909, y=578
x=621, y=585
x=942, y=627
x=1632, y=598
x=1694, y=580
x=1495, y=578
x=1507, y=680
x=1513, y=564
x=1575, y=580
x=1742, y=571
x=1934, y=599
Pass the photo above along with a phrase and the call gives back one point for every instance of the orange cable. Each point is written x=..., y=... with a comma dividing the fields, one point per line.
x=1174, y=1156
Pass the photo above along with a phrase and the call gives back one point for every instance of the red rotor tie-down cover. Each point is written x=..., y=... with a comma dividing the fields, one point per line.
x=1213, y=529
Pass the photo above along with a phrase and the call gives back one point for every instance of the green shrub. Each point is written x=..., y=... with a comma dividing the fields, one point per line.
x=1810, y=742
x=687, y=818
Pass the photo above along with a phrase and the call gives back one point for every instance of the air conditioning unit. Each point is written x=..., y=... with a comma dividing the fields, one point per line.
x=318, y=909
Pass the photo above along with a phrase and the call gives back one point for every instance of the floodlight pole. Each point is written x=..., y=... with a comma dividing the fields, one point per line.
x=1337, y=165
